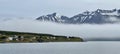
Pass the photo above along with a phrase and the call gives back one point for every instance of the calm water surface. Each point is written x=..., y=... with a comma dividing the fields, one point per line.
x=110, y=47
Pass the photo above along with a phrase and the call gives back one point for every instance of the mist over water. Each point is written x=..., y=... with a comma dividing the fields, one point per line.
x=86, y=31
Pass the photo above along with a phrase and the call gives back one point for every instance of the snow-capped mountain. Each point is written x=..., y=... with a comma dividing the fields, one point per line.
x=54, y=18
x=98, y=16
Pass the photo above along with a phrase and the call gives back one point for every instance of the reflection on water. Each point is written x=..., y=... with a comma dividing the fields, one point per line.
x=100, y=47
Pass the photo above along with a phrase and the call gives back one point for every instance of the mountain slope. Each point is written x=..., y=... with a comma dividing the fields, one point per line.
x=98, y=16
x=53, y=18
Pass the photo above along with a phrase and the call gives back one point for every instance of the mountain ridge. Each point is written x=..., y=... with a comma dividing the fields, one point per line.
x=98, y=16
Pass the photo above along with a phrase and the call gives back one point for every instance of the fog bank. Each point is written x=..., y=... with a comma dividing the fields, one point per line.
x=86, y=31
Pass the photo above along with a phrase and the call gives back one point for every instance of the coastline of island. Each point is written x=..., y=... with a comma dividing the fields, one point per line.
x=27, y=37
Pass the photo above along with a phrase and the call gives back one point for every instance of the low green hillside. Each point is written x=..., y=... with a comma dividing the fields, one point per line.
x=26, y=37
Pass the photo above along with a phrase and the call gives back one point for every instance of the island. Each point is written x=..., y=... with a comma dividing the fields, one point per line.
x=27, y=37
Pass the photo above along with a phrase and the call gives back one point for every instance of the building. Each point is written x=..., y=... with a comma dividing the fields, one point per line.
x=10, y=38
x=18, y=38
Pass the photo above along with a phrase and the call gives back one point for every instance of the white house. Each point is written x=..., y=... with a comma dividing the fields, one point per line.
x=10, y=38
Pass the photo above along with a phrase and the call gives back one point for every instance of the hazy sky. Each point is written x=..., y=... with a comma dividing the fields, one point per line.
x=35, y=8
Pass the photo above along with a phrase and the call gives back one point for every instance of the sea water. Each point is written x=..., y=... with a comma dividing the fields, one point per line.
x=93, y=47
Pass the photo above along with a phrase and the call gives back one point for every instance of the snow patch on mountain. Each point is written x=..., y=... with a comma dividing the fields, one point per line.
x=98, y=16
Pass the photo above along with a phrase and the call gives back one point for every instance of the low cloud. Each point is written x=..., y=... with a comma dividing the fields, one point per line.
x=86, y=31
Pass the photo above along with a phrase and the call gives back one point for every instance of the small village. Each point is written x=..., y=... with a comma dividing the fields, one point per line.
x=13, y=37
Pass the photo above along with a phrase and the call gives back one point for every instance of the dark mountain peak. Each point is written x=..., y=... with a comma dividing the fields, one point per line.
x=99, y=16
x=54, y=17
x=86, y=12
x=107, y=11
x=53, y=14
